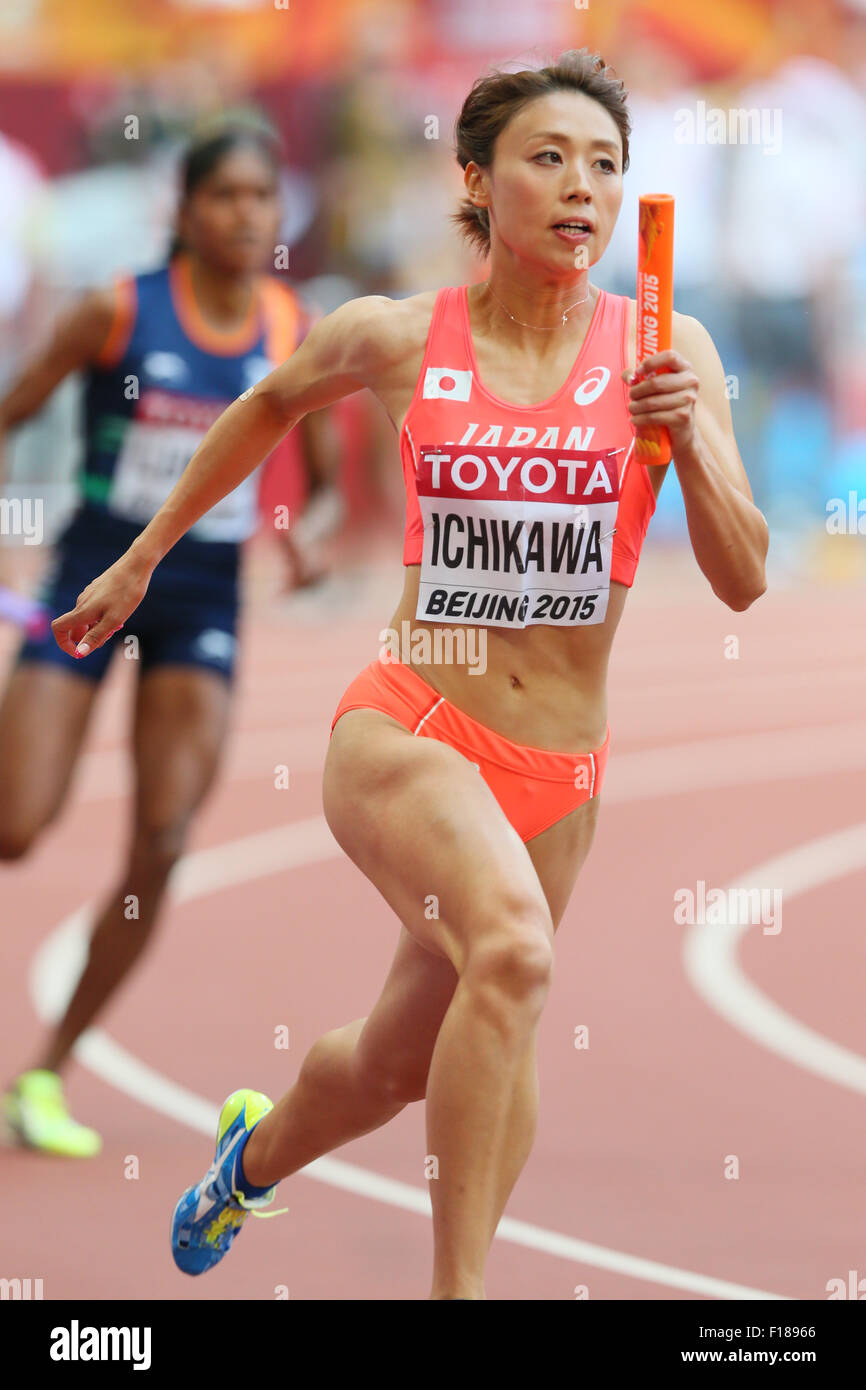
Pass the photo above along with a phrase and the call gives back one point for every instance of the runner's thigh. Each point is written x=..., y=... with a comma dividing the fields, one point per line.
x=43, y=718
x=181, y=719
x=559, y=853
x=419, y=821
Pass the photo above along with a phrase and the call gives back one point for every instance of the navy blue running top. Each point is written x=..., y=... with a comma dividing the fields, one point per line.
x=161, y=379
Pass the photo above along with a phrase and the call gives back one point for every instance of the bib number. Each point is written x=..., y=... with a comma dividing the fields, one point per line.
x=514, y=538
x=151, y=460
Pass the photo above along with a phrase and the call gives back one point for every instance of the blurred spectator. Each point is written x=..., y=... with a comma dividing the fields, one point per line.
x=21, y=186
x=770, y=251
x=660, y=87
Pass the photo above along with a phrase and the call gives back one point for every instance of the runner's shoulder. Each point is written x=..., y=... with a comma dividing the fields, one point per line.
x=84, y=325
x=374, y=332
x=687, y=333
x=96, y=307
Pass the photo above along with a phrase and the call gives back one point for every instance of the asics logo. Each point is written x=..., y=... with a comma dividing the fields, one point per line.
x=592, y=386
x=205, y=1202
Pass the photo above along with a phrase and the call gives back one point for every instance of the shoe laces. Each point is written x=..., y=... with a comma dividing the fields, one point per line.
x=228, y=1219
x=250, y=1204
x=234, y=1214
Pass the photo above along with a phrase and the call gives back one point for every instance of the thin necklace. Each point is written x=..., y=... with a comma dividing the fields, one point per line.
x=546, y=328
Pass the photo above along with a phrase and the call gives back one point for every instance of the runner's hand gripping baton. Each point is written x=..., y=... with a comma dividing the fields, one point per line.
x=655, y=298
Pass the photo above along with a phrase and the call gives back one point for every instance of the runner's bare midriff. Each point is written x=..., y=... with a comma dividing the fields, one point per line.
x=542, y=686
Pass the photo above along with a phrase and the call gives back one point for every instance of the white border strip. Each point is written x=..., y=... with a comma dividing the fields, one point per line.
x=425, y=717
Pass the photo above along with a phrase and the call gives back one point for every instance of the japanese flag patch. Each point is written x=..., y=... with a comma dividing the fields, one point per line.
x=446, y=383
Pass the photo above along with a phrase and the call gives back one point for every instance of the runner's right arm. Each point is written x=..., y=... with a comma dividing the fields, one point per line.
x=341, y=354
x=344, y=352
x=77, y=338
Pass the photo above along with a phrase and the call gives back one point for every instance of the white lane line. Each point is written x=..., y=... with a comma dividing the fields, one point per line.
x=710, y=959
x=55, y=969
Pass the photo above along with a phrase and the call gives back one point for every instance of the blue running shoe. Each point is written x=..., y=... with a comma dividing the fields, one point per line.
x=209, y=1216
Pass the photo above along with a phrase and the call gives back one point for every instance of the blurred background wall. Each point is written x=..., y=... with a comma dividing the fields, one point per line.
x=771, y=225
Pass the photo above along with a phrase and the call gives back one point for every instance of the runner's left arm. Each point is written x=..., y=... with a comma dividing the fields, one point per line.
x=324, y=508
x=729, y=534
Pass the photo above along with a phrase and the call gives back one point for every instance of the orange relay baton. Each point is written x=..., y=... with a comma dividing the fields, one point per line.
x=655, y=301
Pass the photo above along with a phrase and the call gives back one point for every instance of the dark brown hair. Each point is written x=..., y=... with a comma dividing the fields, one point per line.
x=206, y=153
x=494, y=99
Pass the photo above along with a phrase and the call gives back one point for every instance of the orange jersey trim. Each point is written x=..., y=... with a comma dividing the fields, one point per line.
x=196, y=327
x=282, y=315
x=122, y=323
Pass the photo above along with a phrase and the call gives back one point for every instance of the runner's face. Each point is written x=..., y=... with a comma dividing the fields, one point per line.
x=559, y=158
x=231, y=219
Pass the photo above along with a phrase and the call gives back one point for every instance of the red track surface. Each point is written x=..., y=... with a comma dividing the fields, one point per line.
x=634, y=1131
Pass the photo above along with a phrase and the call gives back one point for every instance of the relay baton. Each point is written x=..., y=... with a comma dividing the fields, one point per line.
x=655, y=299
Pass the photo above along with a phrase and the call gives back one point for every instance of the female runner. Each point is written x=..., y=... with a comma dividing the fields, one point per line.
x=471, y=803
x=163, y=355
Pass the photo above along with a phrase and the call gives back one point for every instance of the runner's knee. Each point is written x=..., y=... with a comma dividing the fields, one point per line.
x=24, y=816
x=16, y=840
x=156, y=848
x=511, y=965
x=397, y=1079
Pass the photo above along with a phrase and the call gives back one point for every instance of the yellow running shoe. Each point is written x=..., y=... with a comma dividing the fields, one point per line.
x=36, y=1116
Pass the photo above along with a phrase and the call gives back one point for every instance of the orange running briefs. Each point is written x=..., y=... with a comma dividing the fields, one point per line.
x=535, y=787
